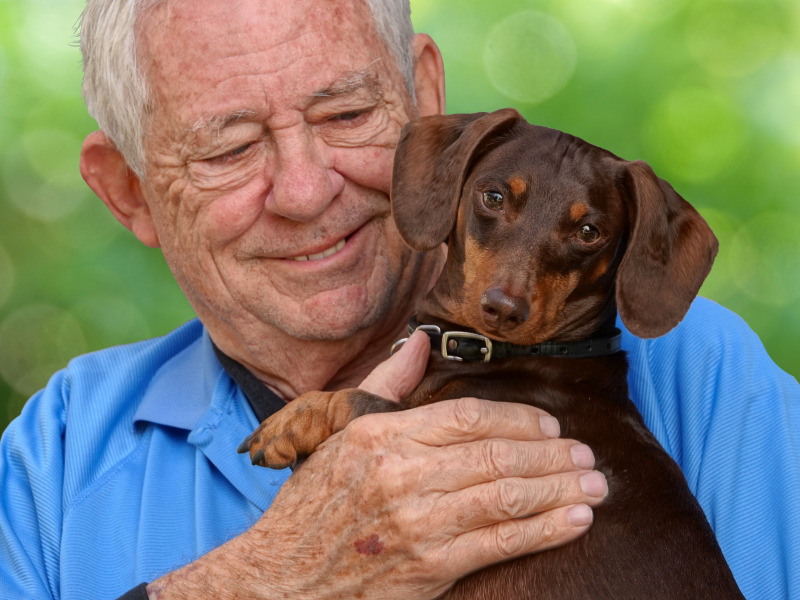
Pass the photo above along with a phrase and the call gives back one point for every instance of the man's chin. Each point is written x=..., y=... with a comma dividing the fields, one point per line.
x=332, y=316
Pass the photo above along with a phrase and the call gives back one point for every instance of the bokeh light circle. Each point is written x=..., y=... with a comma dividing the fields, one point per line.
x=6, y=275
x=54, y=156
x=45, y=40
x=650, y=10
x=35, y=342
x=696, y=132
x=765, y=258
x=39, y=198
x=775, y=99
x=529, y=56
x=111, y=320
x=720, y=284
x=732, y=39
x=2, y=68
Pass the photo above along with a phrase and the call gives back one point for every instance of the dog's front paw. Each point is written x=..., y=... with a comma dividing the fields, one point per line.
x=291, y=434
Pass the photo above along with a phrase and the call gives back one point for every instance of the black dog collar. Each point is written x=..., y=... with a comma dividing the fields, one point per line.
x=468, y=346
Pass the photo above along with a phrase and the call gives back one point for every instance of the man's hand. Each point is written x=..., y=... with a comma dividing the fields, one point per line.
x=400, y=505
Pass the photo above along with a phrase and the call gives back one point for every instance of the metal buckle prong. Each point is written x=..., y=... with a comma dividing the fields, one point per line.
x=431, y=328
x=487, y=351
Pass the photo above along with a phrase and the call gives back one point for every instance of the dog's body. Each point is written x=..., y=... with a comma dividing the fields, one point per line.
x=650, y=538
x=548, y=237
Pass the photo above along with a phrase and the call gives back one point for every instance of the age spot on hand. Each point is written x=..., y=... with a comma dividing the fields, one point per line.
x=372, y=545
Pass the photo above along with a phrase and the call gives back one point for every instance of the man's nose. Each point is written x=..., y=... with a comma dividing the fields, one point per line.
x=304, y=182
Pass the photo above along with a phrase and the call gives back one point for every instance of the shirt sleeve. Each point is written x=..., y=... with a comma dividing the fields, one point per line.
x=137, y=593
x=731, y=419
x=31, y=483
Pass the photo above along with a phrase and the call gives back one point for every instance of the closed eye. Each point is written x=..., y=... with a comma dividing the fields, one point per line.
x=349, y=116
x=231, y=155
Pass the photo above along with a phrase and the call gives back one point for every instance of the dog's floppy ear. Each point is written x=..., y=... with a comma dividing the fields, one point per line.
x=670, y=252
x=431, y=164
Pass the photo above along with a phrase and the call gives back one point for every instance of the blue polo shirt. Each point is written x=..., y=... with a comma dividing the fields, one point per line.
x=125, y=467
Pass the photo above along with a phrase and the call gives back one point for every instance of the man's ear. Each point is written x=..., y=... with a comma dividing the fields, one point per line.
x=670, y=252
x=105, y=171
x=428, y=75
x=431, y=164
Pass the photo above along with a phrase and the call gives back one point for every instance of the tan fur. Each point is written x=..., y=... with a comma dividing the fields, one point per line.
x=517, y=185
x=578, y=211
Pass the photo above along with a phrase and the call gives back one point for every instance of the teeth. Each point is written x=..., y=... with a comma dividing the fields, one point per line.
x=324, y=254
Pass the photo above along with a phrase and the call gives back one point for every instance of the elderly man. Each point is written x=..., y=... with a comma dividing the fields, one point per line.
x=253, y=142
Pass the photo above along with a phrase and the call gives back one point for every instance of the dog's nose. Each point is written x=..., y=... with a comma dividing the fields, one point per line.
x=503, y=311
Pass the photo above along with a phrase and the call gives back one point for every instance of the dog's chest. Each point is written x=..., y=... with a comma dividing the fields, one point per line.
x=636, y=547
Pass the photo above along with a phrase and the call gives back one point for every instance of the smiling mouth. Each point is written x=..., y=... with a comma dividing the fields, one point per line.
x=320, y=255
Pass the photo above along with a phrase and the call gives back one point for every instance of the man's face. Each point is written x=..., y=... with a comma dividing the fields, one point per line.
x=271, y=143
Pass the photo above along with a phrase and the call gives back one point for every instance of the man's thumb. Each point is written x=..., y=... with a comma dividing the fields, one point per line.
x=396, y=378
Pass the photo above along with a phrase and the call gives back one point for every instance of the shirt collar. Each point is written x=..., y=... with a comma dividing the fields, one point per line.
x=181, y=391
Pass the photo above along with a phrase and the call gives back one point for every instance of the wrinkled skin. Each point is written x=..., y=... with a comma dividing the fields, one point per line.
x=300, y=172
x=271, y=135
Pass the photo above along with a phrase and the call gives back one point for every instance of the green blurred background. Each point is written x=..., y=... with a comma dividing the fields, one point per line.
x=707, y=91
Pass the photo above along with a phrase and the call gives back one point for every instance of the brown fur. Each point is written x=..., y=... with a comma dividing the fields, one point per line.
x=524, y=274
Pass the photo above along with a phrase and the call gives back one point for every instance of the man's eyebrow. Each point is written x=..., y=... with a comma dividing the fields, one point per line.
x=346, y=83
x=220, y=122
x=349, y=82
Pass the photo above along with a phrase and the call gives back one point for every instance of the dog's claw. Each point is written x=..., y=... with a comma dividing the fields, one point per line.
x=244, y=447
x=258, y=457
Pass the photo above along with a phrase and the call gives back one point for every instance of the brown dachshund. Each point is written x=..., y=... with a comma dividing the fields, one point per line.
x=548, y=237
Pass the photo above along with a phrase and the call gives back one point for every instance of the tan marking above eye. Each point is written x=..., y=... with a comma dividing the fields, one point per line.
x=578, y=211
x=517, y=186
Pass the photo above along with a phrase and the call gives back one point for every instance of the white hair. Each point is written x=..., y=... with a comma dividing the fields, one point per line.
x=116, y=91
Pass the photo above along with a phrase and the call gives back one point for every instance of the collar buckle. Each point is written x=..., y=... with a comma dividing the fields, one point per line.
x=450, y=344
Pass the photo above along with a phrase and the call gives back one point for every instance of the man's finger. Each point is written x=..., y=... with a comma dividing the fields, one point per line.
x=396, y=378
x=517, y=537
x=461, y=466
x=512, y=498
x=469, y=419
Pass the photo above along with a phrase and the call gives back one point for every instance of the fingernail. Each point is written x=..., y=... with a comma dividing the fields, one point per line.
x=580, y=515
x=419, y=333
x=594, y=484
x=582, y=456
x=549, y=426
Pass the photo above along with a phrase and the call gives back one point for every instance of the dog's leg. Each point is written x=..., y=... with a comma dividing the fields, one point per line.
x=294, y=432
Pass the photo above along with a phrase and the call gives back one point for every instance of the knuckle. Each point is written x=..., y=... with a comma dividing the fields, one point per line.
x=554, y=455
x=557, y=492
x=407, y=521
x=468, y=414
x=510, y=498
x=432, y=563
x=365, y=431
x=509, y=540
x=549, y=532
x=498, y=458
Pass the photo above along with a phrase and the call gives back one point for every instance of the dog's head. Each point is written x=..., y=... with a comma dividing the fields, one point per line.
x=546, y=233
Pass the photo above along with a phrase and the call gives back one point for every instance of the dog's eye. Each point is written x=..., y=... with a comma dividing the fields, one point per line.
x=493, y=200
x=588, y=234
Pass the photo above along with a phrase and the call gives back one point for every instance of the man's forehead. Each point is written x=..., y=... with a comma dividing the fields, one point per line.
x=261, y=47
